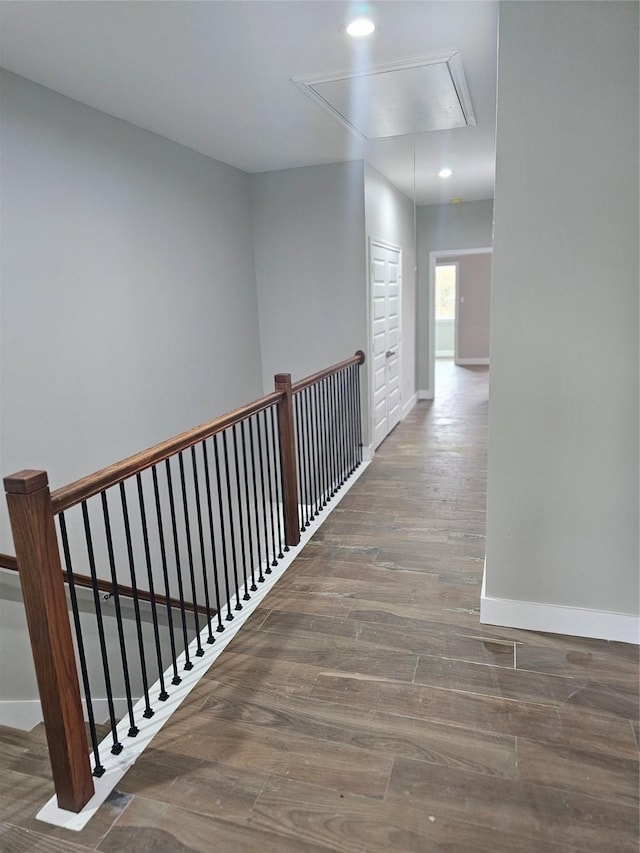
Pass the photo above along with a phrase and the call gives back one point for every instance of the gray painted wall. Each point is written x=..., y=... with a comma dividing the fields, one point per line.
x=129, y=309
x=474, y=314
x=444, y=227
x=308, y=238
x=562, y=524
x=389, y=217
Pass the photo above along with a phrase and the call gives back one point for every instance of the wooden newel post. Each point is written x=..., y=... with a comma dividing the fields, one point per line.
x=288, y=460
x=36, y=544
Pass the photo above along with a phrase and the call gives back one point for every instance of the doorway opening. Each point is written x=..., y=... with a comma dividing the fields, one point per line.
x=470, y=314
x=445, y=306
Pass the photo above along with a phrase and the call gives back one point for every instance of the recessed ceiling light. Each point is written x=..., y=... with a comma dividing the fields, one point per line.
x=445, y=173
x=360, y=27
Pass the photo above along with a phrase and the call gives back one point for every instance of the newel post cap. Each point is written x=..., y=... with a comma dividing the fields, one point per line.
x=25, y=482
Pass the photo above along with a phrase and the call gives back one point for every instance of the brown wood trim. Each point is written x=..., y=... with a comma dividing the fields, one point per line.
x=288, y=465
x=358, y=358
x=86, y=487
x=127, y=591
x=8, y=562
x=45, y=602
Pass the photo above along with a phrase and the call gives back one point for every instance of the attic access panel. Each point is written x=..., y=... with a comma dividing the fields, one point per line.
x=428, y=93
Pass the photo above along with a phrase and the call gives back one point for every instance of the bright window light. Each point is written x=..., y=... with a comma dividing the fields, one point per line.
x=360, y=27
x=445, y=173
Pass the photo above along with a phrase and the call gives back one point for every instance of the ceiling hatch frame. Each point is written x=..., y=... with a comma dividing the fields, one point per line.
x=451, y=59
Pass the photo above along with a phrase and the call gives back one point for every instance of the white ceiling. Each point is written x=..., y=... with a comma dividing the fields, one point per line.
x=217, y=77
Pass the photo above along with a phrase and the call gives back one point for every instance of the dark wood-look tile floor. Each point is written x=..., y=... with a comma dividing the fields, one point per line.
x=365, y=708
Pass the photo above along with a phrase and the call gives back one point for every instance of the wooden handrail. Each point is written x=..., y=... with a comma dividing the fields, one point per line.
x=68, y=496
x=8, y=562
x=358, y=358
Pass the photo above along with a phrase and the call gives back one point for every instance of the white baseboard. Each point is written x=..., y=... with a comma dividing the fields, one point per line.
x=425, y=395
x=558, y=619
x=26, y=713
x=368, y=451
x=469, y=361
x=409, y=405
x=20, y=713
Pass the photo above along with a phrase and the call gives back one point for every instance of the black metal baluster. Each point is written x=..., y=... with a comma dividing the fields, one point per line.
x=326, y=496
x=255, y=499
x=264, y=494
x=334, y=420
x=98, y=769
x=148, y=712
x=352, y=392
x=351, y=420
x=243, y=550
x=310, y=451
x=355, y=415
x=248, y=506
x=329, y=444
x=163, y=695
x=196, y=486
x=270, y=484
x=220, y=626
x=277, y=481
x=229, y=615
x=116, y=749
x=176, y=550
x=331, y=425
x=133, y=729
x=232, y=525
x=192, y=576
x=341, y=427
x=320, y=477
x=359, y=415
x=334, y=431
x=327, y=438
x=301, y=497
x=165, y=574
x=304, y=473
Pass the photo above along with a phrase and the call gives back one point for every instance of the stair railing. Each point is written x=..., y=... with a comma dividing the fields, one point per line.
x=203, y=516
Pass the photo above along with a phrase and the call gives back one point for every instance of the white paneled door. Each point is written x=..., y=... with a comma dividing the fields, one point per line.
x=386, y=280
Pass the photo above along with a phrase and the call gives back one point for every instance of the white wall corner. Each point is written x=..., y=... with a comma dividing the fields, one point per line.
x=367, y=452
x=425, y=395
x=558, y=619
x=409, y=405
x=470, y=361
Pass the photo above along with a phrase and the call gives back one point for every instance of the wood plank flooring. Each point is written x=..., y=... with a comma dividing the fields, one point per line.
x=365, y=708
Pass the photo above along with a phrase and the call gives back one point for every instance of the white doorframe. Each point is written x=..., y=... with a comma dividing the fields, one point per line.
x=394, y=248
x=433, y=257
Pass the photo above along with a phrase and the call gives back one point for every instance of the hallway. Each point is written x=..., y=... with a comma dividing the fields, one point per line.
x=364, y=707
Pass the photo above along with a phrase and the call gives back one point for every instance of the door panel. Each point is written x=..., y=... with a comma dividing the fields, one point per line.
x=386, y=279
